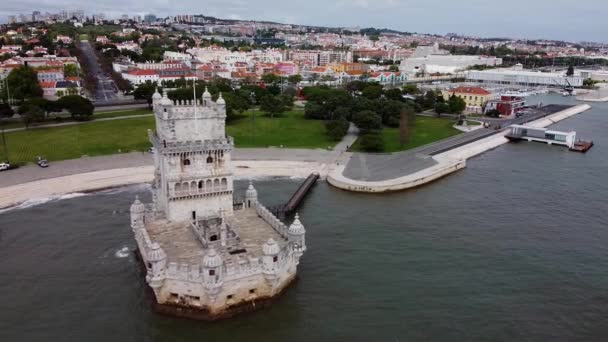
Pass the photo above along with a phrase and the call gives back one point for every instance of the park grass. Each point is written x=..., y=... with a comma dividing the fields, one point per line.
x=291, y=130
x=91, y=139
x=425, y=131
x=83, y=36
x=120, y=136
x=67, y=118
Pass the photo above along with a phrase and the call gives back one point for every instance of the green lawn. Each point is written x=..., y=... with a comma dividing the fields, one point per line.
x=83, y=37
x=116, y=136
x=291, y=131
x=425, y=131
x=92, y=139
x=66, y=118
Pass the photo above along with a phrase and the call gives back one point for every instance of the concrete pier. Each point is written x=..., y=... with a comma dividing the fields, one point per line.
x=445, y=163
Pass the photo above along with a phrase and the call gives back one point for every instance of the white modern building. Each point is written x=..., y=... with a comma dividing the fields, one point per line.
x=518, y=76
x=206, y=254
x=431, y=60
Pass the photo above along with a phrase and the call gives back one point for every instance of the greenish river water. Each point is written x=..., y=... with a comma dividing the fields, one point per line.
x=512, y=248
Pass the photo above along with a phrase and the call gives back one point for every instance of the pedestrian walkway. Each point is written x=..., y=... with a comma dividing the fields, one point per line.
x=72, y=123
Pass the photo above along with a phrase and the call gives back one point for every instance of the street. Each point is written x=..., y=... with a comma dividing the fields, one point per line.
x=106, y=89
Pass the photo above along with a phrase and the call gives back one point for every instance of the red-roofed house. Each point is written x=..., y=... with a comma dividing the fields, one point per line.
x=140, y=76
x=474, y=97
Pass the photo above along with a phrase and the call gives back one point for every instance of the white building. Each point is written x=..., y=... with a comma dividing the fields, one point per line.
x=517, y=76
x=206, y=255
x=431, y=59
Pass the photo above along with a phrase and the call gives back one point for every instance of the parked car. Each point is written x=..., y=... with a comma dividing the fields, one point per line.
x=5, y=166
x=42, y=162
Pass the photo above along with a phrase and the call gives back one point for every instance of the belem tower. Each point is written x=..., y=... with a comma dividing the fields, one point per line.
x=207, y=255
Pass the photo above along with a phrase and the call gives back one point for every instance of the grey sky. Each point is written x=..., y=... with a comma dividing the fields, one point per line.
x=557, y=19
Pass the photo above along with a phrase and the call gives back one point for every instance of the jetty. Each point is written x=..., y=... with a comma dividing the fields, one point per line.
x=297, y=198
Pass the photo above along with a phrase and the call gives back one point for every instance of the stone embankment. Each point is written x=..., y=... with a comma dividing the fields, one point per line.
x=447, y=162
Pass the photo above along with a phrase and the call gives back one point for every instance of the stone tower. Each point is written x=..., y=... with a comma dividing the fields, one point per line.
x=193, y=176
x=207, y=256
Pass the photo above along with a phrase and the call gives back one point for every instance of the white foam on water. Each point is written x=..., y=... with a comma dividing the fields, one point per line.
x=122, y=253
x=38, y=201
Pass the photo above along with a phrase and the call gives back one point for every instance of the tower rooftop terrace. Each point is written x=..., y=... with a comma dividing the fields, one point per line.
x=182, y=245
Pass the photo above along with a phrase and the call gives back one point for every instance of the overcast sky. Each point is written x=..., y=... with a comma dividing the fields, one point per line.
x=556, y=19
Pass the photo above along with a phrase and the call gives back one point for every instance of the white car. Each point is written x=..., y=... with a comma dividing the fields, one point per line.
x=4, y=166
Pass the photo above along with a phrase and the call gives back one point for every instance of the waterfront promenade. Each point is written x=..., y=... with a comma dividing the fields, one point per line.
x=404, y=170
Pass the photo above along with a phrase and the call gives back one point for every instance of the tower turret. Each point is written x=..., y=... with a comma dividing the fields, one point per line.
x=220, y=101
x=206, y=97
x=156, y=97
x=158, y=262
x=251, y=196
x=270, y=260
x=212, y=272
x=137, y=214
x=297, y=236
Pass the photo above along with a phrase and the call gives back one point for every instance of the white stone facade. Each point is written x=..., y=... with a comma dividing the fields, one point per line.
x=204, y=253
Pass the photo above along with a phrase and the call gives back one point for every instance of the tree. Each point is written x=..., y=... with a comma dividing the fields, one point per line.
x=144, y=92
x=271, y=78
x=456, y=104
x=314, y=111
x=393, y=68
x=371, y=141
x=294, y=79
x=273, y=105
x=6, y=111
x=372, y=91
x=410, y=89
x=341, y=113
x=79, y=107
x=70, y=70
x=235, y=104
x=404, y=128
x=429, y=100
x=336, y=129
x=570, y=71
x=23, y=83
x=393, y=94
x=442, y=108
x=32, y=114
x=389, y=111
x=367, y=120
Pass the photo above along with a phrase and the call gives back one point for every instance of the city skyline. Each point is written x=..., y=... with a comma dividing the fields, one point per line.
x=521, y=19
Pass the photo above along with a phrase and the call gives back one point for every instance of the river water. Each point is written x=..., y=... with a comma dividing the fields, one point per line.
x=512, y=248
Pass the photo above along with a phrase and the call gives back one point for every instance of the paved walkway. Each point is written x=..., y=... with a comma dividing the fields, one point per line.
x=380, y=167
x=398, y=171
x=72, y=123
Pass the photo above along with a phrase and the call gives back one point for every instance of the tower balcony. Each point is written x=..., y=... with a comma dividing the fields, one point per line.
x=169, y=147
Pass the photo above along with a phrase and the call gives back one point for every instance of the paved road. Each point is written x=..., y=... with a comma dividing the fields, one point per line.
x=379, y=167
x=106, y=89
x=72, y=123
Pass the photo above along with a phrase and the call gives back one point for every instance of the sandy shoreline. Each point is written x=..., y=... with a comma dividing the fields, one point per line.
x=91, y=181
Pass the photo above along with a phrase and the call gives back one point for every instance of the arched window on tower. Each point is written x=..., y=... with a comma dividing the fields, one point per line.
x=209, y=159
x=224, y=184
x=201, y=184
x=186, y=162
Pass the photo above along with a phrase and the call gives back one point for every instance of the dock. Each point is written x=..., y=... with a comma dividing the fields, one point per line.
x=544, y=135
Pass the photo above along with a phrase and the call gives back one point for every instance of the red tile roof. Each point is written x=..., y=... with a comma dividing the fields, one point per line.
x=142, y=72
x=47, y=84
x=470, y=90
